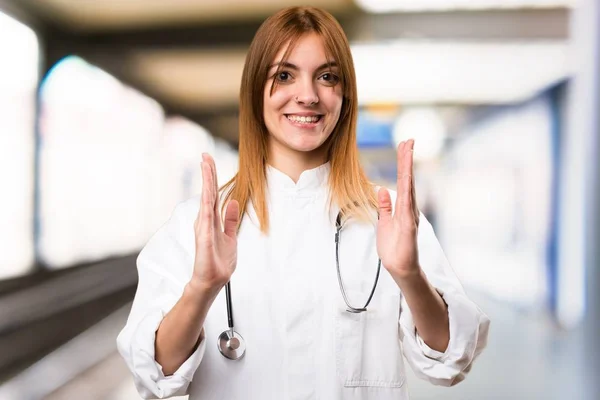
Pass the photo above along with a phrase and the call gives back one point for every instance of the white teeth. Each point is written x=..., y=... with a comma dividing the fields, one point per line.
x=304, y=120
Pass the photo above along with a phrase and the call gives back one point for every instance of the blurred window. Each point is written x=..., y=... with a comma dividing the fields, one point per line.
x=99, y=166
x=18, y=83
x=494, y=199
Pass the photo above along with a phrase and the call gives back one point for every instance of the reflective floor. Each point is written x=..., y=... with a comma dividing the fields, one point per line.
x=527, y=358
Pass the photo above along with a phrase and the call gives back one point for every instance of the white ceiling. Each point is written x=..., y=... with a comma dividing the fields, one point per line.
x=424, y=72
x=384, y=6
x=192, y=78
x=474, y=71
x=94, y=15
x=416, y=72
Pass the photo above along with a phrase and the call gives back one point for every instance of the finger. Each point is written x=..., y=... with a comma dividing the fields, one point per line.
x=410, y=212
x=202, y=193
x=405, y=201
x=206, y=160
x=215, y=191
x=413, y=191
x=385, y=204
x=213, y=167
x=199, y=216
x=402, y=175
x=206, y=207
x=408, y=171
x=415, y=206
x=399, y=158
x=231, y=218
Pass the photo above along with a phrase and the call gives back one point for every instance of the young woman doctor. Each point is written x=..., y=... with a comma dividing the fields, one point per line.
x=298, y=233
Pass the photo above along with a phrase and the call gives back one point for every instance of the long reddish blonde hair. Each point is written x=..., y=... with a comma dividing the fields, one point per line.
x=349, y=187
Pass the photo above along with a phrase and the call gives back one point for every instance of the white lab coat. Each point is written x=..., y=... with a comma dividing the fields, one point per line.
x=287, y=304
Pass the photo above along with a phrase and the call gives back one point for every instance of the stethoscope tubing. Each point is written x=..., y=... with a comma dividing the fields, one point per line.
x=229, y=308
x=338, y=226
x=230, y=341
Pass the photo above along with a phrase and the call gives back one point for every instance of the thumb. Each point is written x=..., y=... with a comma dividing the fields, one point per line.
x=231, y=218
x=385, y=204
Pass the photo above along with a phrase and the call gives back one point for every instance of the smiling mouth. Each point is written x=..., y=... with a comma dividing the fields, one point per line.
x=304, y=120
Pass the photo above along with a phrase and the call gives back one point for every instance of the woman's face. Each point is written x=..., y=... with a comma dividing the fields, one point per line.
x=305, y=105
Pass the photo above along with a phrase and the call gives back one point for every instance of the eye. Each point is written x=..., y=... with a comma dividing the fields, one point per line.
x=283, y=76
x=330, y=78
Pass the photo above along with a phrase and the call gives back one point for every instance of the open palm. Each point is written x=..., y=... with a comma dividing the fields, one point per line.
x=397, y=232
x=216, y=246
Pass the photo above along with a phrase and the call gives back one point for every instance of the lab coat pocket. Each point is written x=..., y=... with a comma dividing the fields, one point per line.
x=367, y=348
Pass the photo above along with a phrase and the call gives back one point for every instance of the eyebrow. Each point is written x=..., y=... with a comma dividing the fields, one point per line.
x=289, y=65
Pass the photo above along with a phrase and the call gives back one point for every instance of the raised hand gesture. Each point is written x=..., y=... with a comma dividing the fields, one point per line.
x=397, y=233
x=216, y=248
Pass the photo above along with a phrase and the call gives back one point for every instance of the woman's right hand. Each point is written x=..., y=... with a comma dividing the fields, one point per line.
x=216, y=248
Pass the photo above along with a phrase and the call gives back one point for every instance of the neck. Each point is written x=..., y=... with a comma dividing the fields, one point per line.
x=293, y=163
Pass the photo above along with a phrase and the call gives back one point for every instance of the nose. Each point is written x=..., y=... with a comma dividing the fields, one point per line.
x=306, y=94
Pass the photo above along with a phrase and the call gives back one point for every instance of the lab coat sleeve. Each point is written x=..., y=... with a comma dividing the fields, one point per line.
x=164, y=267
x=469, y=326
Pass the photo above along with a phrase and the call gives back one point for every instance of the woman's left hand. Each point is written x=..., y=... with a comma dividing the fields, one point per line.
x=397, y=233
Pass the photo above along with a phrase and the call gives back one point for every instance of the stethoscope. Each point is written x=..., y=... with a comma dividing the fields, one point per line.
x=232, y=345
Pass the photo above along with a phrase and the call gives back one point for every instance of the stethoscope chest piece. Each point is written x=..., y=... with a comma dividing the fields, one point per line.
x=231, y=344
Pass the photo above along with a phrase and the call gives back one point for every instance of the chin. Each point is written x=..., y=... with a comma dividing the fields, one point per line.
x=305, y=146
x=308, y=150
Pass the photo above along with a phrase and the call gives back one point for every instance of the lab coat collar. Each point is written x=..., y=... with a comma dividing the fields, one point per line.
x=310, y=180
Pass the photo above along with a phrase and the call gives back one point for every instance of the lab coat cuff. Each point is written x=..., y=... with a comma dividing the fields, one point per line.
x=144, y=359
x=428, y=351
x=425, y=349
x=468, y=334
x=464, y=320
x=468, y=329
